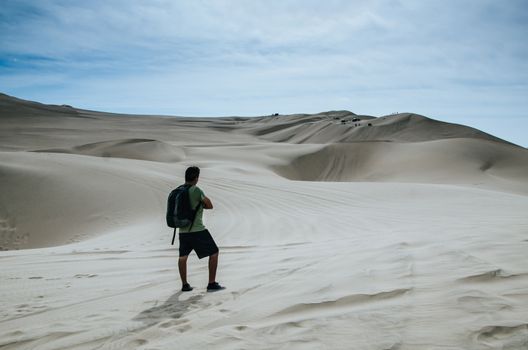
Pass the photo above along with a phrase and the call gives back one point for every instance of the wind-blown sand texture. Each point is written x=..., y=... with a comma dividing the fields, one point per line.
x=409, y=233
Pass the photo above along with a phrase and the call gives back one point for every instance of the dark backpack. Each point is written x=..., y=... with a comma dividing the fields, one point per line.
x=179, y=210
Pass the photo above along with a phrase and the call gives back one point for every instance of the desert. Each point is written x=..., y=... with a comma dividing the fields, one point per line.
x=336, y=231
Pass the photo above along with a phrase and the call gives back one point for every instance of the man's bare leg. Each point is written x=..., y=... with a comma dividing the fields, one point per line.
x=182, y=266
x=213, y=264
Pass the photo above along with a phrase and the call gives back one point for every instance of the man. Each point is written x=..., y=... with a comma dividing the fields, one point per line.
x=196, y=236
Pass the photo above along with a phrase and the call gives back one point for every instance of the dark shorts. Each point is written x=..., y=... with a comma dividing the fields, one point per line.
x=201, y=241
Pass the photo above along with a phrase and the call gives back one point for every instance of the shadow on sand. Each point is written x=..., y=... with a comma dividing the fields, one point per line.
x=172, y=308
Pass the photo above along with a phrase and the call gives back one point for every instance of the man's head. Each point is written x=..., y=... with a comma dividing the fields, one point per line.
x=192, y=174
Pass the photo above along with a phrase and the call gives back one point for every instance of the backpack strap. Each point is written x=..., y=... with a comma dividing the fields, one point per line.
x=174, y=236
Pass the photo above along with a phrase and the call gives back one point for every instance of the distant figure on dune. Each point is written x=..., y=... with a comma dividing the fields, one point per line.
x=195, y=236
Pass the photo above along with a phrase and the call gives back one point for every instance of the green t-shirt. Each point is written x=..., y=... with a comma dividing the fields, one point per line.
x=196, y=195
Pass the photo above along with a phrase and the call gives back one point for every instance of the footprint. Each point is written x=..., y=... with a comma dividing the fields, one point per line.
x=85, y=275
x=494, y=275
x=16, y=333
x=139, y=342
x=173, y=323
x=505, y=337
x=184, y=328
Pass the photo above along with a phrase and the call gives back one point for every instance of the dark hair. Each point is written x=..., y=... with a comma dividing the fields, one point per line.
x=192, y=173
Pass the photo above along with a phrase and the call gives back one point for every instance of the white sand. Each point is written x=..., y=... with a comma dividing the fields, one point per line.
x=407, y=234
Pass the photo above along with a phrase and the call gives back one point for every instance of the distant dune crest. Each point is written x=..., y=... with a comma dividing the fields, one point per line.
x=142, y=149
x=348, y=127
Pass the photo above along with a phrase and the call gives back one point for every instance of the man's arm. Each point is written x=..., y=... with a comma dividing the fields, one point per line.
x=207, y=203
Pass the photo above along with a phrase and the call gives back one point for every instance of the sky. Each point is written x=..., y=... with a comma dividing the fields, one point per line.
x=459, y=61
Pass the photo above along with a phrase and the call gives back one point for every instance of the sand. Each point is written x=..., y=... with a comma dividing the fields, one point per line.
x=409, y=233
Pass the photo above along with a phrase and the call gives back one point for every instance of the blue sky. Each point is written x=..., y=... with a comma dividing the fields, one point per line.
x=459, y=61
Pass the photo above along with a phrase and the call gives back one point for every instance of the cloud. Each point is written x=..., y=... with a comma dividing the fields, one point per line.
x=250, y=57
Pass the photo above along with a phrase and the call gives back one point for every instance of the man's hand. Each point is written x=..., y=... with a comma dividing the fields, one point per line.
x=207, y=203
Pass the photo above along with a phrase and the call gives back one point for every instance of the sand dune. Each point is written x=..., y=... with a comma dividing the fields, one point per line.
x=406, y=234
x=51, y=199
x=459, y=161
x=143, y=149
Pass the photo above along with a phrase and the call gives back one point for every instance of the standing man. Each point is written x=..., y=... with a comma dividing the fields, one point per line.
x=196, y=236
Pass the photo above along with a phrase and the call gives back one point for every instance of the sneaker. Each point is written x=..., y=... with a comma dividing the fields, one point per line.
x=214, y=287
x=186, y=287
